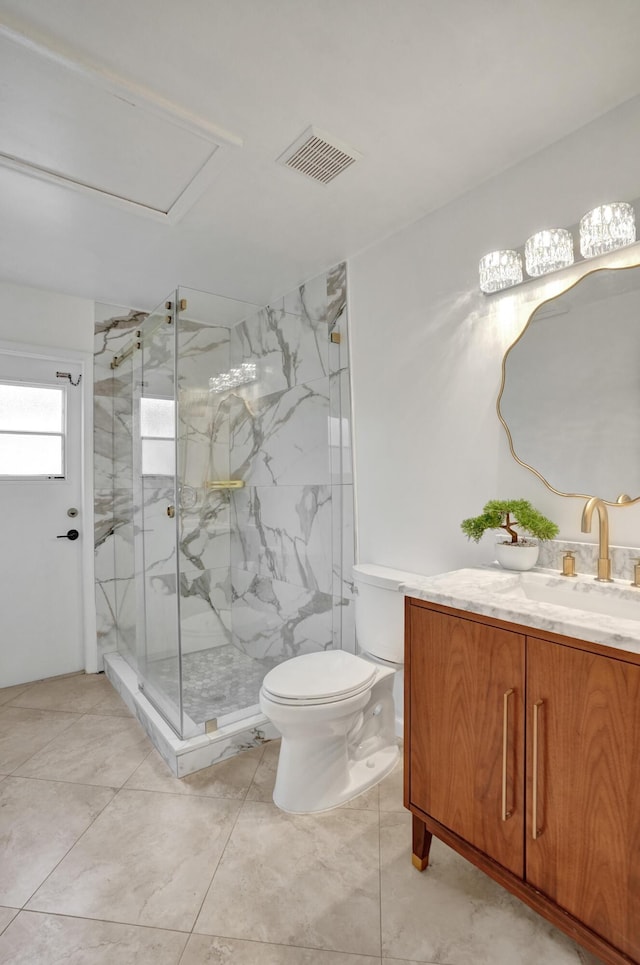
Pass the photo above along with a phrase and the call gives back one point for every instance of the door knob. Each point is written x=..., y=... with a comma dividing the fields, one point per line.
x=70, y=534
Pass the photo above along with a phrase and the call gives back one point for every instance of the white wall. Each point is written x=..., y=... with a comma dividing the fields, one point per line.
x=428, y=346
x=38, y=317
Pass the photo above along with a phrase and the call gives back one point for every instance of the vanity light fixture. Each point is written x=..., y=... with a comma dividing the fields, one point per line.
x=607, y=227
x=603, y=229
x=500, y=269
x=548, y=250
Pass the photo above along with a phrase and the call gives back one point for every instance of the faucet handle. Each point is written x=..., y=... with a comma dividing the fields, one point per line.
x=569, y=565
x=636, y=572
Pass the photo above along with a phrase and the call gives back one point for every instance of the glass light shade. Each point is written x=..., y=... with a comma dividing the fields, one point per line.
x=548, y=250
x=607, y=227
x=500, y=269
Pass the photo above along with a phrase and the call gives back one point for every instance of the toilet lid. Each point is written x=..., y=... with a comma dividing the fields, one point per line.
x=319, y=676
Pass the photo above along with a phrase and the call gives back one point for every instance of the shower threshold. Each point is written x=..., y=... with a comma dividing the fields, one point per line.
x=195, y=753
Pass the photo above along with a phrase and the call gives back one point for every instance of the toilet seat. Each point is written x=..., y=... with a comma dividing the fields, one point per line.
x=319, y=678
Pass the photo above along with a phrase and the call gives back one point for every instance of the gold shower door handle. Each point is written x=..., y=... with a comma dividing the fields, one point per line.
x=535, y=830
x=507, y=810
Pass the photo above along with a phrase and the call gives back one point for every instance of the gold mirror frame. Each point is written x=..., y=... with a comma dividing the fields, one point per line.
x=623, y=499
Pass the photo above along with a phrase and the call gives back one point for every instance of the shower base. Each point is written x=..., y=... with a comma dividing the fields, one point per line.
x=186, y=756
x=215, y=682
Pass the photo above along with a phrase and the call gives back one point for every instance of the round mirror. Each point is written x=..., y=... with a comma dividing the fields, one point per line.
x=570, y=395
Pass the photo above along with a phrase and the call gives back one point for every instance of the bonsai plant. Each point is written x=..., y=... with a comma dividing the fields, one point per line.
x=507, y=514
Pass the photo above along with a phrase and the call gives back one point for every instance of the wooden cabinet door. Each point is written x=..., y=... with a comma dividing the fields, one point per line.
x=586, y=853
x=466, y=691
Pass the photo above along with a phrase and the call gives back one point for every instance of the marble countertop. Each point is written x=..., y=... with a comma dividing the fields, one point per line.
x=505, y=595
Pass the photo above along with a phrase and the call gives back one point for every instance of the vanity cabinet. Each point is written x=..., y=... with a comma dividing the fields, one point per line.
x=522, y=752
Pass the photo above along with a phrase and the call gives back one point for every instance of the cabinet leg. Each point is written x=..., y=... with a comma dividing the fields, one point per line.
x=421, y=844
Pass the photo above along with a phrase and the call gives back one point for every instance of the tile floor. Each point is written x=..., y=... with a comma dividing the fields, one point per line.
x=107, y=859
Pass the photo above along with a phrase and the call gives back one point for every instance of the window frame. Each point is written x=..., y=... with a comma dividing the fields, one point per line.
x=145, y=438
x=62, y=435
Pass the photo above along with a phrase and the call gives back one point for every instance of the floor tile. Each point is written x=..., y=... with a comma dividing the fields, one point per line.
x=76, y=694
x=202, y=950
x=7, y=915
x=36, y=939
x=111, y=704
x=24, y=732
x=39, y=822
x=264, y=779
x=229, y=779
x=392, y=790
x=310, y=880
x=147, y=860
x=10, y=693
x=454, y=913
x=94, y=750
x=367, y=801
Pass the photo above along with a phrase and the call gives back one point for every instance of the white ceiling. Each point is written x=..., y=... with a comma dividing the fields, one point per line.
x=123, y=95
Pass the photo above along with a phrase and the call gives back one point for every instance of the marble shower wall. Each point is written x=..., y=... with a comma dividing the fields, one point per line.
x=113, y=511
x=292, y=543
x=203, y=519
x=267, y=567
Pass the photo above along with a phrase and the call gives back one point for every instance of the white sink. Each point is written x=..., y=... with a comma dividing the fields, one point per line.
x=581, y=593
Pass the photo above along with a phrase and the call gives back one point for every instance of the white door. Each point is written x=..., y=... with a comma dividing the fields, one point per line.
x=41, y=616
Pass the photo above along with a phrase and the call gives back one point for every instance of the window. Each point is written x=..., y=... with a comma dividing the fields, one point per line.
x=157, y=430
x=32, y=425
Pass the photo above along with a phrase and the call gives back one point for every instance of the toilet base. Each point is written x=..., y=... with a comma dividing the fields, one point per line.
x=362, y=775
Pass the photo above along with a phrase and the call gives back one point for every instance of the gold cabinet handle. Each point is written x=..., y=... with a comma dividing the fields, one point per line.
x=506, y=810
x=536, y=831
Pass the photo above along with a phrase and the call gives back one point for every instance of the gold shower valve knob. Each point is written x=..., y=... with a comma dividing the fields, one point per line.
x=171, y=511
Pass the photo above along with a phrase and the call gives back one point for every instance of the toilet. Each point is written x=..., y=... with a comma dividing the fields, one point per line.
x=335, y=710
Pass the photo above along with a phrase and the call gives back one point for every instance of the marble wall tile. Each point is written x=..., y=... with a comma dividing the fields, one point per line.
x=336, y=281
x=106, y=616
x=113, y=333
x=622, y=557
x=203, y=531
x=343, y=524
x=340, y=448
x=274, y=620
x=289, y=347
x=309, y=301
x=344, y=625
x=203, y=350
x=281, y=439
x=114, y=330
x=205, y=605
x=284, y=532
x=103, y=438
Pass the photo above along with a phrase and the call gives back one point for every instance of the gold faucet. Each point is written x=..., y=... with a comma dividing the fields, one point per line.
x=604, y=562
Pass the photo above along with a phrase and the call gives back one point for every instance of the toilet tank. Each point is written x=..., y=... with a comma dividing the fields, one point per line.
x=379, y=610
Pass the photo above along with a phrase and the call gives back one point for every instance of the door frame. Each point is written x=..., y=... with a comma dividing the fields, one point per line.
x=85, y=361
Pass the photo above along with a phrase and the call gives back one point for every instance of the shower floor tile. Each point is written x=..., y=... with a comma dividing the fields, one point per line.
x=215, y=682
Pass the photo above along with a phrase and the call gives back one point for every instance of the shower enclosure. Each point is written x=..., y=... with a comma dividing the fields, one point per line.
x=236, y=533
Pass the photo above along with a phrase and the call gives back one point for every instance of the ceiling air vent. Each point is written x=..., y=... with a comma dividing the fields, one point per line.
x=319, y=156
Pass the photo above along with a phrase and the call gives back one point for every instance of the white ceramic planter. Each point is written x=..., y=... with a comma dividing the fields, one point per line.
x=517, y=556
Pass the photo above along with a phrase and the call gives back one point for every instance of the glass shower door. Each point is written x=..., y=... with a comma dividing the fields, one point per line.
x=155, y=516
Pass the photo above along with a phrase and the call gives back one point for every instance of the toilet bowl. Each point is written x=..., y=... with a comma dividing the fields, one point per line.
x=335, y=710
